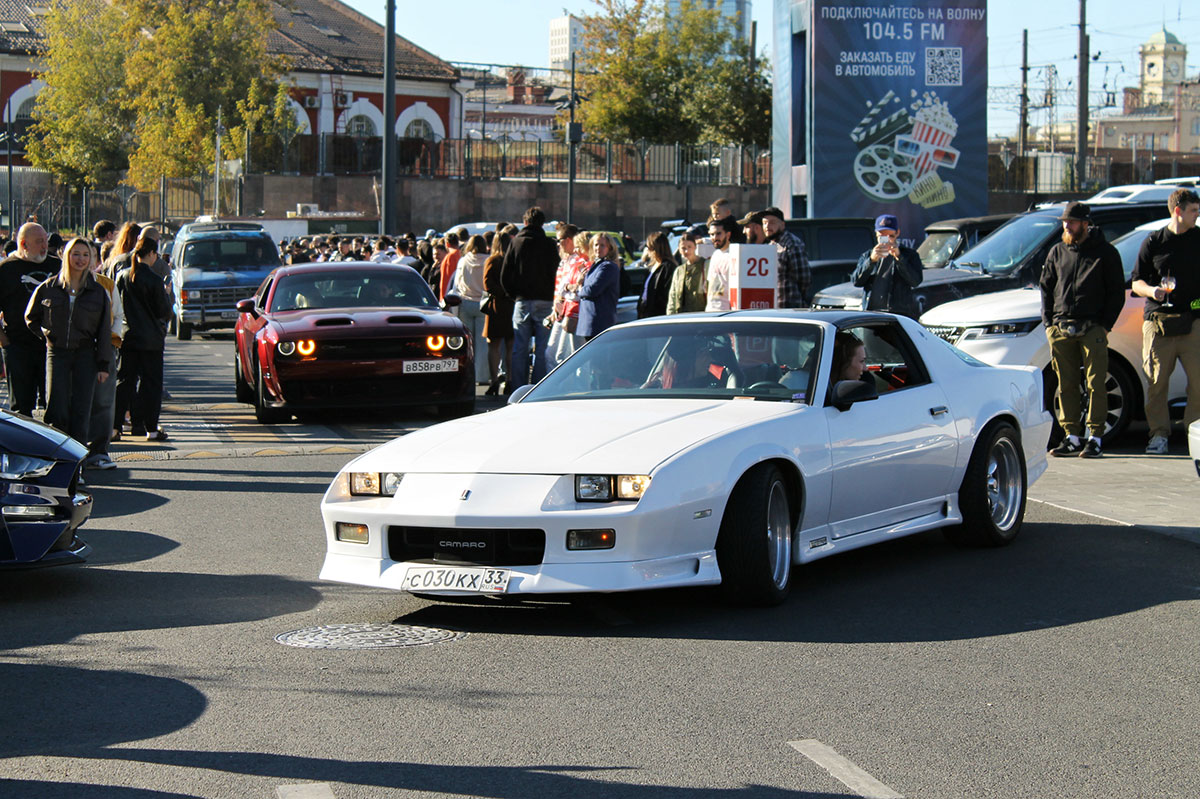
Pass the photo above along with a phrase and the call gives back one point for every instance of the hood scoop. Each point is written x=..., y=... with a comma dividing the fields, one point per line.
x=333, y=321
x=410, y=319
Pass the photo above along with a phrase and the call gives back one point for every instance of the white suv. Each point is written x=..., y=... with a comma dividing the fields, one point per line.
x=1005, y=328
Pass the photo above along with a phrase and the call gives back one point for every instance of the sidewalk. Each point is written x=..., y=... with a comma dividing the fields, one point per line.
x=1158, y=492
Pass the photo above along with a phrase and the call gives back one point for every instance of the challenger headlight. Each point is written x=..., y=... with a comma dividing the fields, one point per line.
x=22, y=467
x=607, y=487
x=455, y=342
x=374, y=484
x=287, y=347
x=1002, y=329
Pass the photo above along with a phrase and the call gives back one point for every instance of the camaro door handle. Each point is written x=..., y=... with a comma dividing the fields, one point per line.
x=939, y=410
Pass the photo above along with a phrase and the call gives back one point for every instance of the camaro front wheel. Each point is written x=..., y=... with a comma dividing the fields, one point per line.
x=992, y=496
x=754, y=545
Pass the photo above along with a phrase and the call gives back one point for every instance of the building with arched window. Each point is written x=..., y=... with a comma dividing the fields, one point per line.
x=336, y=57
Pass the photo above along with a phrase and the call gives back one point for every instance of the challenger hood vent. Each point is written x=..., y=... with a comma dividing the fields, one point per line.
x=406, y=320
x=333, y=321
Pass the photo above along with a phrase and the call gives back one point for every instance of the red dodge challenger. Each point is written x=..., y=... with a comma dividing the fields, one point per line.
x=350, y=335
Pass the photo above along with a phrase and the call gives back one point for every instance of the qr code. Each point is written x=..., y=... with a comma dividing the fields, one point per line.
x=943, y=66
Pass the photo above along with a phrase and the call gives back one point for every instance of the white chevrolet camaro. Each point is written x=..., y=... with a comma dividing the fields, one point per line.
x=698, y=449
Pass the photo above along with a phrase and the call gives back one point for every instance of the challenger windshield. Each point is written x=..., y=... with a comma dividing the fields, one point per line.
x=708, y=359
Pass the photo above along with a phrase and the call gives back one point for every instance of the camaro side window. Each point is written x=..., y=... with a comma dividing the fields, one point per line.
x=890, y=358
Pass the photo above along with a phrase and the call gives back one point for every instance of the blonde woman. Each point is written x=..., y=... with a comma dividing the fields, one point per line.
x=468, y=284
x=72, y=312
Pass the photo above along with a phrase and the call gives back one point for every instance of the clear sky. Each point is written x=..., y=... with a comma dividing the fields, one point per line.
x=518, y=33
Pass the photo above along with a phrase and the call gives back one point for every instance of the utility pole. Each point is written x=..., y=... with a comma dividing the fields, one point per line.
x=1023, y=127
x=1081, y=114
x=574, y=135
x=217, y=168
x=388, y=217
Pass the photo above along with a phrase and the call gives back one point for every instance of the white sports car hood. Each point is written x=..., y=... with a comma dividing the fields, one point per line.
x=618, y=436
x=1013, y=305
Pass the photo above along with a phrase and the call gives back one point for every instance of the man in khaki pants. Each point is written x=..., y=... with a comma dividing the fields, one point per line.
x=1169, y=331
x=1083, y=291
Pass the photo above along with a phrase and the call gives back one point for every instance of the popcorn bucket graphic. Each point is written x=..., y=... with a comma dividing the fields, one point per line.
x=932, y=139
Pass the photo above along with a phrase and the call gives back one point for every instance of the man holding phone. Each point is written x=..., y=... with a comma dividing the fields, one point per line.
x=888, y=272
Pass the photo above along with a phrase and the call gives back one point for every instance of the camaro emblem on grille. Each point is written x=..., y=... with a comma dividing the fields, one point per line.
x=465, y=494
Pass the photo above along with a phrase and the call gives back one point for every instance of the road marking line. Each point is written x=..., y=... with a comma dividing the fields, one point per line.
x=843, y=770
x=311, y=790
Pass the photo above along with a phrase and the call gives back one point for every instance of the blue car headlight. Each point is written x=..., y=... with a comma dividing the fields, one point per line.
x=23, y=467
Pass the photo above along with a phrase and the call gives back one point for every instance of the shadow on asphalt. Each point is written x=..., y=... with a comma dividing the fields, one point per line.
x=43, y=607
x=106, y=707
x=502, y=782
x=110, y=547
x=35, y=789
x=913, y=589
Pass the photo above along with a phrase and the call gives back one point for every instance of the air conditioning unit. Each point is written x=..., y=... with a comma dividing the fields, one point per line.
x=312, y=101
x=343, y=99
x=306, y=209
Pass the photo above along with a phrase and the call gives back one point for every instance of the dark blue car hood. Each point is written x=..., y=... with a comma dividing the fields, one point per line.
x=25, y=436
x=199, y=279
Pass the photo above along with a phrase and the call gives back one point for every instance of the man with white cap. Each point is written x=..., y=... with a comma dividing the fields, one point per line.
x=888, y=272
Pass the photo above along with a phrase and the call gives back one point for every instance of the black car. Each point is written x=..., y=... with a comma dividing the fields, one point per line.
x=1011, y=257
x=40, y=508
x=950, y=238
x=833, y=245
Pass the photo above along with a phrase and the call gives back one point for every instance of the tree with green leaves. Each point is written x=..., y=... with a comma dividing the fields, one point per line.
x=686, y=77
x=166, y=68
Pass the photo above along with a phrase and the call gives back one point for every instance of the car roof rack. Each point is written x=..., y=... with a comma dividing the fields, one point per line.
x=201, y=227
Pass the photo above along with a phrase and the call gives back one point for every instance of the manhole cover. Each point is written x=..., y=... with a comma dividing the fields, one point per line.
x=366, y=636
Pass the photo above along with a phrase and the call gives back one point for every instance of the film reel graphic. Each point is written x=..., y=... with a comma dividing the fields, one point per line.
x=884, y=173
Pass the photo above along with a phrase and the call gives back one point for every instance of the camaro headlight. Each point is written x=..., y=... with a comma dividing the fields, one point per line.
x=1002, y=329
x=22, y=467
x=374, y=484
x=607, y=487
x=455, y=342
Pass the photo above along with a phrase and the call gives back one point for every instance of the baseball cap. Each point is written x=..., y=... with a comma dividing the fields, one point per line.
x=775, y=212
x=752, y=218
x=886, y=222
x=1077, y=211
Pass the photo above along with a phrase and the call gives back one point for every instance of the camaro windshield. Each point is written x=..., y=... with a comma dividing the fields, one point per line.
x=706, y=359
x=350, y=288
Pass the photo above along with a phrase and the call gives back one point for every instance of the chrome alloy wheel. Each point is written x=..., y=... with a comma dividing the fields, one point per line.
x=779, y=535
x=1003, y=481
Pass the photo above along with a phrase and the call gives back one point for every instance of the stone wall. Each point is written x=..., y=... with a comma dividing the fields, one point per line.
x=635, y=208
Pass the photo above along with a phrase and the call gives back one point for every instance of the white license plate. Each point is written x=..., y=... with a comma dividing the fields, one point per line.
x=430, y=367
x=472, y=579
x=229, y=314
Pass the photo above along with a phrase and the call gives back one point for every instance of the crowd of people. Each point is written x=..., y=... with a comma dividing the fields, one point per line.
x=83, y=327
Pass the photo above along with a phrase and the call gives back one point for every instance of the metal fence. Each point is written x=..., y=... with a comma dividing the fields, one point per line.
x=488, y=159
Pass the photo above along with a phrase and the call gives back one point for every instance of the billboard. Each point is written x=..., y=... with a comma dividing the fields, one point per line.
x=894, y=99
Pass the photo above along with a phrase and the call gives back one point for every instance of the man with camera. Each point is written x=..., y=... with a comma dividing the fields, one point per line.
x=1083, y=291
x=887, y=272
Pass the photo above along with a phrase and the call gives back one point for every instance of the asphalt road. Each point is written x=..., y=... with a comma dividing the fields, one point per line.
x=1062, y=666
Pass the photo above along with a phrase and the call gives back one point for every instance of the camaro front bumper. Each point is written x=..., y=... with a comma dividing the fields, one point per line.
x=656, y=545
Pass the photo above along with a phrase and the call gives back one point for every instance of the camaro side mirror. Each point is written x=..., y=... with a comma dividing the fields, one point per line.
x=848, y=392
x=246, y=306
x=451, y=301
x=520, y=392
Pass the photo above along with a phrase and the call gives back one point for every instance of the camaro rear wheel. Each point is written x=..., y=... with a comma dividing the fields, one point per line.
x=263, y=412
x=992, y=496
x=754, y=545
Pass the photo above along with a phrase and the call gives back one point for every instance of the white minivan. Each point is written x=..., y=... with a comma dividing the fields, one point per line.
x=1005, y=328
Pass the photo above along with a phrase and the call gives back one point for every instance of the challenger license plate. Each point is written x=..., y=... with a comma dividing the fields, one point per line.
x=472, y=579
x=430, y=366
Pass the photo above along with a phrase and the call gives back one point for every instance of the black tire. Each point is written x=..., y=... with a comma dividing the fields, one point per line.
x=455, y=410
x=241, y=388
x=1123, y=400
x=753, y=552
x=993, y=492
x=263, y=412
x=183, y=330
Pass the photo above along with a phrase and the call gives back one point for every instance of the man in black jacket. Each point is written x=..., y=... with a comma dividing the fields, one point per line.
x=24, y=352
x=888, y=273
x=527, y=275
x=1083, y=291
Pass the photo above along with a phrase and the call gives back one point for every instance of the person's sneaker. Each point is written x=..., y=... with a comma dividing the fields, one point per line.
x=156, y=435
x=1091, y=449
x=91, y=460
x=1157, y=446
x=101, y=461
x=1069, y=446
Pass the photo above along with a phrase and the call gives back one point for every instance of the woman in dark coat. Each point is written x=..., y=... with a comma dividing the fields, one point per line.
x=600, y=290
x=653, y=301
x=497, y=326
x=72, y=312
x=140, y=379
